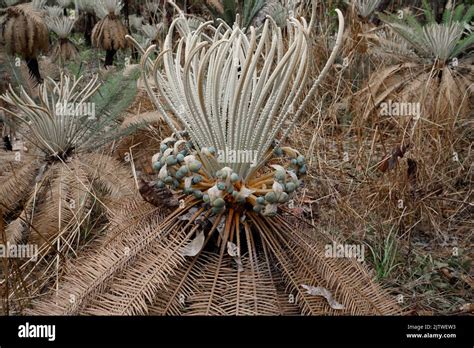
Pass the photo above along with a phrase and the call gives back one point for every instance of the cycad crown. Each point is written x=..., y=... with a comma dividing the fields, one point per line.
x=435, y=41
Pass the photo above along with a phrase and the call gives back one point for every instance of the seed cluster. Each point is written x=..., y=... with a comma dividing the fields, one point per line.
x=181, y=167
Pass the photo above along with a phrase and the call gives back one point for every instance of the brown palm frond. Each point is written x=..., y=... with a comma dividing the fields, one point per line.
x=235, y=292
x=65, y=203
x=133, y=289
x=110, y=176
x=345, y=277
x=147, y=274
x=25, y=33
x=16, y=181
x=109, y=34
x=64, y=50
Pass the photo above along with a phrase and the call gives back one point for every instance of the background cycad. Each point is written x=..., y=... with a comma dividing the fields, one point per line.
x=432, y=40
x=109, y=33
x=437, y=54
x=64, y=49
x=25, y=34
x=58, y=191
x=86, y=20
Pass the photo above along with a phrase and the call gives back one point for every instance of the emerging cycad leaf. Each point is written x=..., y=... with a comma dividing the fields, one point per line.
x=108, y=8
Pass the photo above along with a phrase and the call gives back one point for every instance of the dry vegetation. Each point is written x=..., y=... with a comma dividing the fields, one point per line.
x=363, y=136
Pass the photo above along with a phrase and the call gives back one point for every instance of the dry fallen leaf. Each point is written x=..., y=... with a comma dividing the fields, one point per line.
x=233, y=251
x=391, y=161
x=195, y=246
x=320, y=291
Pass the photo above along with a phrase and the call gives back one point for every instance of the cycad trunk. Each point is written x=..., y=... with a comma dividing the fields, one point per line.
x=90, y=21
x=109, y=57
x=33, y=68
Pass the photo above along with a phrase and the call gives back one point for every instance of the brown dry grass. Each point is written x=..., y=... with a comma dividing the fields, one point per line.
x=366, y=187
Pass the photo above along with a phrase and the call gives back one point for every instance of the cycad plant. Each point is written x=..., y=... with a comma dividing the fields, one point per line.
x=58, y=192
x=365, y=8
x=437, y=70
x=136, y=22
x=8, y=3
x=86, y=20
x=231, y=246
x=154, y=34
x=251, y=12
x=64, y=49
x=25, y=33
x=109, y=33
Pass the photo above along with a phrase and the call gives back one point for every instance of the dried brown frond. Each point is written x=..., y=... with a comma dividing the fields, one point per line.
x=135, y=228
x=142, y=270
x=16, y=179
x=109, y=34
x=64, y=50
x=25, y=32
x=67, y=201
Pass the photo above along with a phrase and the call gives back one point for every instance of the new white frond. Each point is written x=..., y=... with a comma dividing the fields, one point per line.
x=62, y=26
x=230, y=90
x=106, y=7
x=365, y=7
x=54, y=11
x=442, y=39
